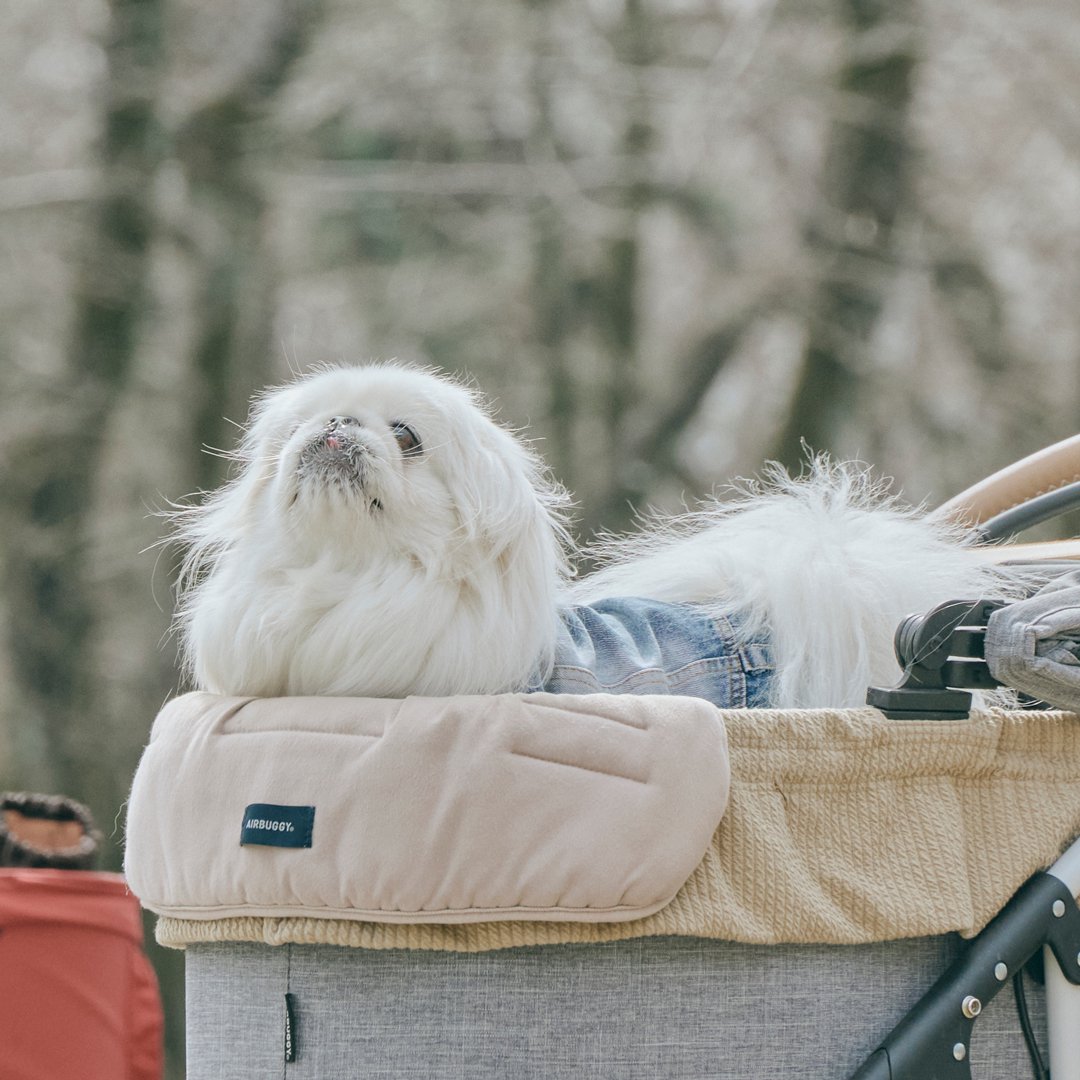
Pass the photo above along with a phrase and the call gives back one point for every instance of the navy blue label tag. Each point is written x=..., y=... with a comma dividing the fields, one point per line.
x=290, y=1027
x=277, y=826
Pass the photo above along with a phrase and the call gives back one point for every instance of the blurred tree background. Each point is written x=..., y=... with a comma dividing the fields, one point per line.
x=673, y=238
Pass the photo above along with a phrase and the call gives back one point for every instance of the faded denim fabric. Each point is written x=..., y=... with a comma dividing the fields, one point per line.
x=628, y=645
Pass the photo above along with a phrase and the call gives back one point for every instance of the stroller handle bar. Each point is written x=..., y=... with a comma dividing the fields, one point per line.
x=1044, y=471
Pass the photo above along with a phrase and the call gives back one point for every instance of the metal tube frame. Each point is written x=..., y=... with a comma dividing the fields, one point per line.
x=1062, y=994
x=933, y=1040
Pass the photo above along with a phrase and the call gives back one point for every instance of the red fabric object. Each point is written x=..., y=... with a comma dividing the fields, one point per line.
x=78, y=998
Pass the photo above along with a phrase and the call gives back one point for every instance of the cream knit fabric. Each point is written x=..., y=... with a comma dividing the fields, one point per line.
x=842, y=827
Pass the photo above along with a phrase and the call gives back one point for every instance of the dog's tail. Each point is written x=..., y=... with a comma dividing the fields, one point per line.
x=826, y=565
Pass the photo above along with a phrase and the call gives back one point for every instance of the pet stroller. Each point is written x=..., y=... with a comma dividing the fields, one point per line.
x=504, y=890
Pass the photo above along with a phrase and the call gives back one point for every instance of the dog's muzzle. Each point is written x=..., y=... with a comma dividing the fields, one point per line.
x=338, y=453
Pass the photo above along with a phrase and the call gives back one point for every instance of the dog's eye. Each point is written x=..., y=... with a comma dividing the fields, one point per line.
x=407, y=439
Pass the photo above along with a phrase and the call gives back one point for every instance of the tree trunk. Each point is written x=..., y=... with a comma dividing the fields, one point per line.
x=49, y=486
x=233, y=347
x=866, y=188
x=616, y=292
x=553, y=303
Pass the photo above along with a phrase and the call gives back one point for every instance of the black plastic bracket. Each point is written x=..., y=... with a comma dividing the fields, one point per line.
x=933, y=1040
x=940, y=652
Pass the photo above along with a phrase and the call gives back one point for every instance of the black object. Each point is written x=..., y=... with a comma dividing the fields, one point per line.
x=1018, y=518
x=1038, y=1066
x=933, y=1040
x=290, y=1027
x=940, y=653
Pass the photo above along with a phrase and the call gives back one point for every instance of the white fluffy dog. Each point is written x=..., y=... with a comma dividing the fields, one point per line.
x=383, y=536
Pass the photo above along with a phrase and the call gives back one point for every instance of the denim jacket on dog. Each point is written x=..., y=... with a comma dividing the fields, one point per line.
x=628, y=645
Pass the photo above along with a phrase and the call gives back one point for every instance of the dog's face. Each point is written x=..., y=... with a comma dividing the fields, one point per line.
x=389, y=455
x=372, y=501
x=359, y=454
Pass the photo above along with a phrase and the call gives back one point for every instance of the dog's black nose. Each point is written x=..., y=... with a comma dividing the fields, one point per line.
x=341, y=421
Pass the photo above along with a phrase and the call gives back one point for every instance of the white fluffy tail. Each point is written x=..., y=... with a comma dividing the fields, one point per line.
x=827, y=565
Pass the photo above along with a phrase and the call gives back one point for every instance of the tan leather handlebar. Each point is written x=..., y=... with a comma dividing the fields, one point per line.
x=1046, y=470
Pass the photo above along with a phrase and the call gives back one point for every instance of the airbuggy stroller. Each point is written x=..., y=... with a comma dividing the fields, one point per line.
x=504, y=889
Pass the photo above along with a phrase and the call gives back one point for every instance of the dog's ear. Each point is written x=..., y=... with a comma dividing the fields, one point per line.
x=210, y=528
x=506, y=501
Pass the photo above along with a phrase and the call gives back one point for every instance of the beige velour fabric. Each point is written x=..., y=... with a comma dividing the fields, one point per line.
x=439, y=810
x=843, y=827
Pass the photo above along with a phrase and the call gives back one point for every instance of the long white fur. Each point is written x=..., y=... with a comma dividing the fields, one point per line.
x=448, y=587
x=445, y=573
x=826, y=566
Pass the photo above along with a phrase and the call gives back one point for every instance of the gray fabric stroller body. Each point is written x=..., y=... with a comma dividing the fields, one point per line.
x=642, y=1009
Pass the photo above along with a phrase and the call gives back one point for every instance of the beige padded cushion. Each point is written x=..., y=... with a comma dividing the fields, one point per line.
x=843, y=827
x=437, y=810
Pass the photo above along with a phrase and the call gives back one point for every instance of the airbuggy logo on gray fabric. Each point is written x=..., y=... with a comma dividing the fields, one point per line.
x=277, y=826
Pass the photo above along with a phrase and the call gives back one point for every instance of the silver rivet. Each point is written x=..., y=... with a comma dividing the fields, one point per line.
x=1001, y=972
x=959, y=1051
x=1058, y=909
x=971, y=1006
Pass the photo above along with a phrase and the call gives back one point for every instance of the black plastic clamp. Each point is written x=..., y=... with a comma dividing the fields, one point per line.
x=940, y=652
